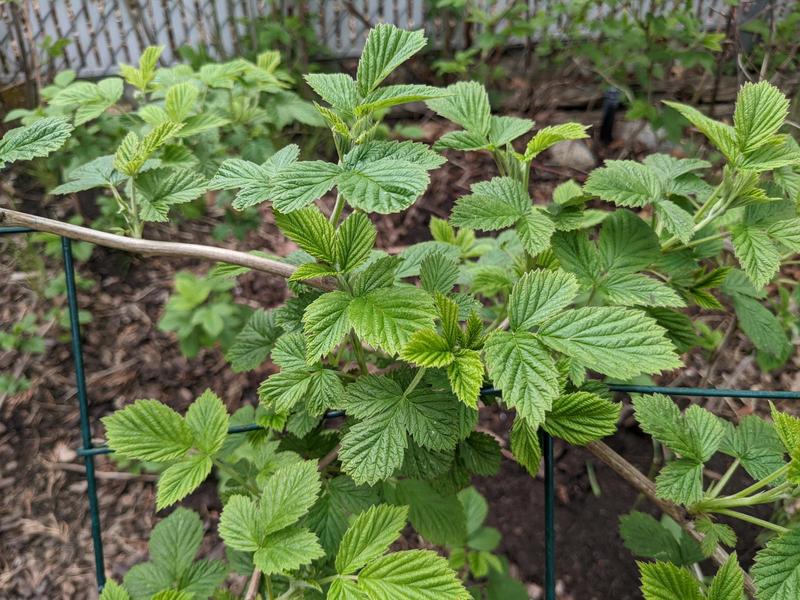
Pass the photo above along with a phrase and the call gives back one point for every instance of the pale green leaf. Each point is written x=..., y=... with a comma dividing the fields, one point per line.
x=539, y=295
x=38, y=139
x=96, y=173
x=614, y=341
x=413, y=575
x=386, y=48
x=393, y=95
x=438, y=273
x=467, y=105
x=288, y=494
x=300, y=183
x=504, y=129
x=309, y=229
x=525, y=445
x=665, y=581
x=369, y=536
x=180, y=99
x=787, y=232
x=207, y=418
x=757, y=254
x=175, y=541
x=535, y=229
x=337, y=89
x=761, y=109
x=466, y=376
x=520, y=366
x=627, y=244
x=287, y=551
x=625, y=183
x=159, y=189
x=385, y=318
x=776, y=571
x=113, y=591
x=427, y=348
x=635, y=289
x=728, y=583
x=181, y=479
x=676, y=220
x=373, y=449
x=355, y=239
x=551, y=135
x=582, y=417
x=325, y=322
x=239, y=525
x=383, y=186
x=148, y=430
x=681, y=481
x=494, y=204
x=721, y=135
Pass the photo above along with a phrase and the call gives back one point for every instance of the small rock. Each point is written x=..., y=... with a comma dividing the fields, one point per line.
x=535, y=592
x=574, y=154
x=641, y=132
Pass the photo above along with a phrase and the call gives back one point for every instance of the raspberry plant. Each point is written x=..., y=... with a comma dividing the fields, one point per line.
x=371, y=421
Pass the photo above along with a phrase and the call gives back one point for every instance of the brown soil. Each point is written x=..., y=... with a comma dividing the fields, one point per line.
x=45, y=546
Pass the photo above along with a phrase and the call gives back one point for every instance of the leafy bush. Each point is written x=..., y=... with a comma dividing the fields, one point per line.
x=557, y=301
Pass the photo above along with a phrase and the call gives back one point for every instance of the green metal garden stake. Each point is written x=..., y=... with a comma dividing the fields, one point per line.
x=549, y=518
x=83, y=406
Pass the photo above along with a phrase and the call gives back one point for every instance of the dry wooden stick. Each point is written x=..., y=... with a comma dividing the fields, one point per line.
x=152, y=247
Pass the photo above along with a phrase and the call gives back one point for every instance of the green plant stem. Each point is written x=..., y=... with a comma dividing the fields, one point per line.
x=716, y=489
x=697, y=242
x=777, y=474
x=268, y=585
x=358, y=350
x=225, y=468
x=753, y=520
x=414, y=382
x=337, y=210
x=717, y=504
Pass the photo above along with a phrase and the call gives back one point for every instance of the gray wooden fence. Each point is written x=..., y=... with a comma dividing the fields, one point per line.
x=102, y=33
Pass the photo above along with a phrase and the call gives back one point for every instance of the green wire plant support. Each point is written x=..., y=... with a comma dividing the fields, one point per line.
x=88, y=451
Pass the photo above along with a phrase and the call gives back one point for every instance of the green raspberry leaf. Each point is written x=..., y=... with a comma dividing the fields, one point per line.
x=757, y=254
x=38, y=139
x=539, y=295
x=625, y=183
x=148, y=430
x=466, y=376
x=614, y=341
x=412, y=574
x=664, y=581
x=520, y=366
x=300, y=183
x=325, y=322
x=355, y=239
x=369, y=536
x=386, y=48
x=467, y=104
x=207, y=418
x=761, y=109
x=287, y=550
x=494, y=204
x=427, y=348
x=582, y=417
x=181, y=479
x=525, y=445
x=387, y=317
x=310, y=230
x=776, y=572
x=728, y=583
x=681, y=481
x=254, y=342
x=550, y=136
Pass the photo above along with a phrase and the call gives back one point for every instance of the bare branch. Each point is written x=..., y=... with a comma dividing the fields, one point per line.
x=155, y=248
